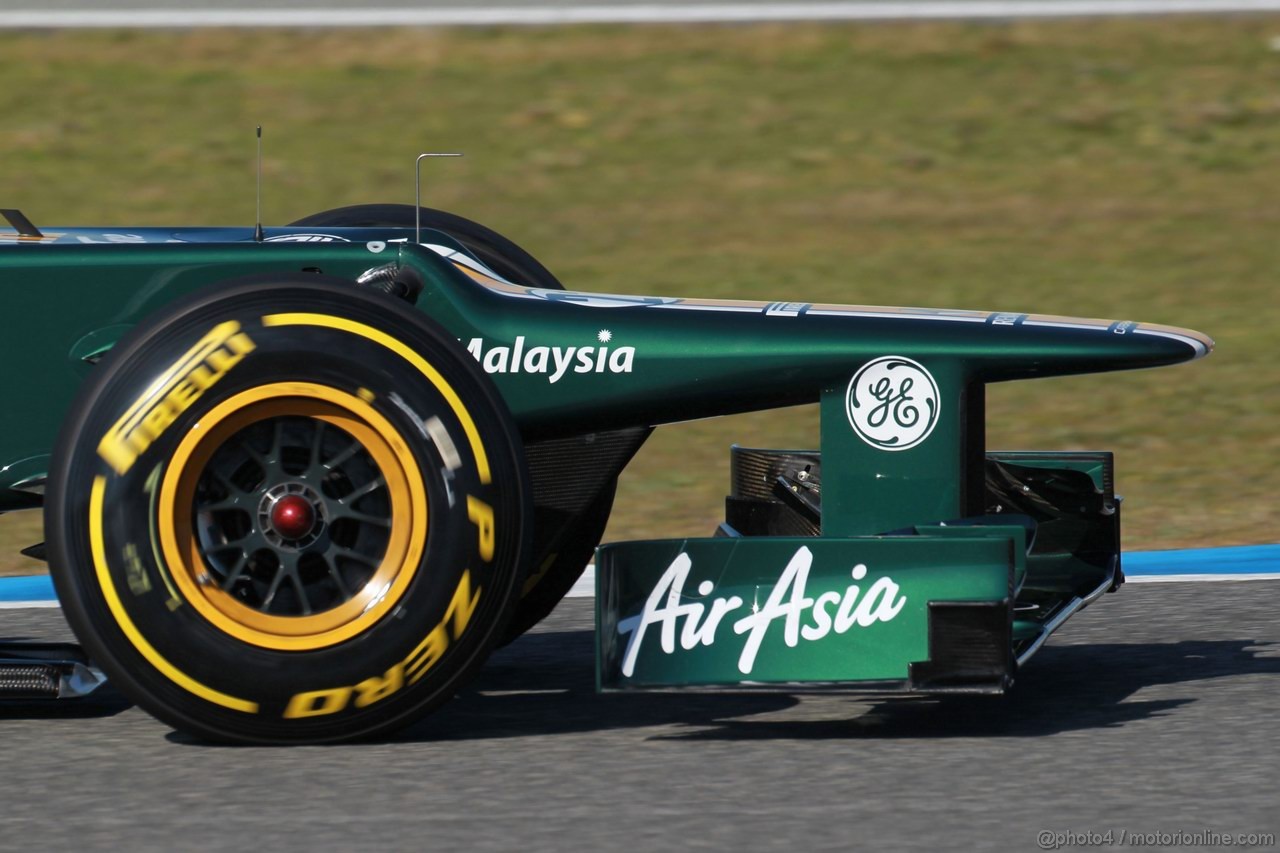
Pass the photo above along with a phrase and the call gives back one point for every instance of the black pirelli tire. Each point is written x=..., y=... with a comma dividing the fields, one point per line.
x=288, y=511
x=572, y=550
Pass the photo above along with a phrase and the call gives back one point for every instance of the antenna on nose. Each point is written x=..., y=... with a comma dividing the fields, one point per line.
x=257, y=230
x=417, y=193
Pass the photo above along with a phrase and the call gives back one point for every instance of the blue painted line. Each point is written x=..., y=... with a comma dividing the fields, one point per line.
x=27, y=588
x=1234, y=560
x=1240, y=561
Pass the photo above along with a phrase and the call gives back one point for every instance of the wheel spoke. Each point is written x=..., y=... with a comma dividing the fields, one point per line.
x=272, y=590
x=234, y=502
x=344, y=456
x=236, y=571
x=302, y=592
x=337, y=579
x=317, y=441
x=367, y=489
x=248, y=543
x=263, y=462
x=361, y=517
x=226, y=482
x=356, y=556
x=277, y=437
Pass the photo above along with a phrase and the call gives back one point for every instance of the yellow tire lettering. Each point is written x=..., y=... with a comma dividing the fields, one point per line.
x=202, y=377
x=379, y=687
x=541, y=573
x=221, y=360
x=241, y=344
x=317, y=703
x=97, y=546
x=462, y=605
x=427, y=654
x=158, y=419
x=173, y=393
x=134, y=572
x=184, y=394
x=481, y=514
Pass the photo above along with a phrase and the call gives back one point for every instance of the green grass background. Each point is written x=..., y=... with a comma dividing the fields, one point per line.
x=1124, y=169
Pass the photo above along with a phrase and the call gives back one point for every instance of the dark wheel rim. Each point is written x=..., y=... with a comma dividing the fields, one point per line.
x=292, y=516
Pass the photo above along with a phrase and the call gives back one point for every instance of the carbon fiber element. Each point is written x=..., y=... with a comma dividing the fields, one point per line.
x=753, y=472
x=754, y=517
x=755, y=506
x=28, y=681
x=574, y=480
x=969, y=648
x=569, y=473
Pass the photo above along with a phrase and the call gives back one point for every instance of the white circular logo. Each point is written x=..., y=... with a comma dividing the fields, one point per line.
x=892, y=403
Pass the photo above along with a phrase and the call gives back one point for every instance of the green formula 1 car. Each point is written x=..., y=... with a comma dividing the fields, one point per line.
x=298, y=483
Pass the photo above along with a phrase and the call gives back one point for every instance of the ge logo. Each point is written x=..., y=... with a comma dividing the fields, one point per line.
x=892, y=403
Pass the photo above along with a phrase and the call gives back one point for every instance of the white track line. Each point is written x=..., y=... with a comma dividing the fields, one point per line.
x=619, y=14
x=585, y=586
x=1203, y=578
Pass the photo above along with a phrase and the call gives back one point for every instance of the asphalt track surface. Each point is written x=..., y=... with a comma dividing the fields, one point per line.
x=1152, y=711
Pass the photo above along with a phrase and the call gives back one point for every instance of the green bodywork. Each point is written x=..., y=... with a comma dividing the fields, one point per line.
x=573, y=363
